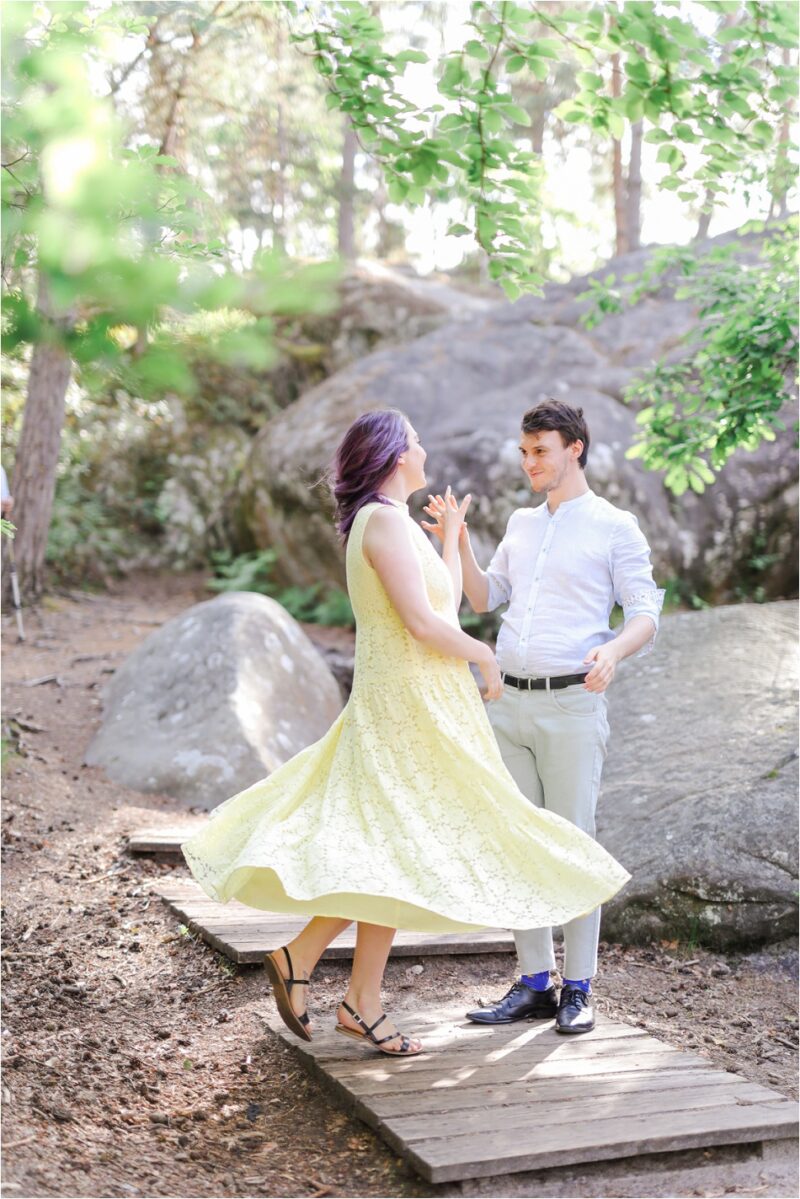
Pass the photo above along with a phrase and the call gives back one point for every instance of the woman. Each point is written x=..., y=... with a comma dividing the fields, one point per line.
x=403, y=815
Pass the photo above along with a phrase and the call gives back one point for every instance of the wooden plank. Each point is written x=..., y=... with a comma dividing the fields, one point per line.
x=630, y=1105
x=245, y=934
x=161, y=840
x=365, y=1085
x=507, y=1151
x=498, y=1100
x=481, y=1043
x=451, y=1060
x=540, y=1091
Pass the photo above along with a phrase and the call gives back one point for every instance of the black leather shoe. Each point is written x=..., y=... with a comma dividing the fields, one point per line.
x=520, y=1003
x=575, y=1012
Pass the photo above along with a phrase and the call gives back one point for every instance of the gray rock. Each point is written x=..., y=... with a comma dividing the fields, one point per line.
x=381, y=306
x=465, y=386
x=191, y=500
x=699, y=798
x=216, y=699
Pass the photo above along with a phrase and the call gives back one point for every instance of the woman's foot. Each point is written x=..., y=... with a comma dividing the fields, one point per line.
x=392, y=1041
x=289, y=978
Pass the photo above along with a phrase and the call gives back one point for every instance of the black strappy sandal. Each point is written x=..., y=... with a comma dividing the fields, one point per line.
x=368, y=1034
x=282, y=990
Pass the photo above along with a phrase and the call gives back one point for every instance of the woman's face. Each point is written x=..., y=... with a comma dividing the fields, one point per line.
x=414, y=457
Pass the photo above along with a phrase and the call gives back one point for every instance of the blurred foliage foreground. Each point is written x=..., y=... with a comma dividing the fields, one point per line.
x=140, y=359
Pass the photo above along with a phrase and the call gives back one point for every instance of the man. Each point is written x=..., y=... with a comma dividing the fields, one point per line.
x=560, y=568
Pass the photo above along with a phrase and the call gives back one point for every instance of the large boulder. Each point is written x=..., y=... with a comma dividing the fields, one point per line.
x=214, y=700
x=699, y=797
x=379, y=306
x=465, y=387
x=190, y=504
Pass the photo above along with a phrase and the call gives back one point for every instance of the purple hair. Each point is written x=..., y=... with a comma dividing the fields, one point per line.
x=366, y=456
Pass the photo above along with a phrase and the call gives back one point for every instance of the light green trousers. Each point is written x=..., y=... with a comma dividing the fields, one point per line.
x=554, y=745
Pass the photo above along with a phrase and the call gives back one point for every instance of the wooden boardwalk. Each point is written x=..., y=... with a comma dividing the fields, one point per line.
x=162, y=840
x=244, y=935
x=491, y=1101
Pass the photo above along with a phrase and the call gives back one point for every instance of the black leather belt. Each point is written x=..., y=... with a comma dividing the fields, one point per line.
x=557, y=682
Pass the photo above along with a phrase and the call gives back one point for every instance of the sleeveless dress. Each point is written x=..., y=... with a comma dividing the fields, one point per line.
x=403, y=814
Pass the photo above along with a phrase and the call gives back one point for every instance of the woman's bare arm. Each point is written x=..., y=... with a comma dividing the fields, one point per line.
x=474, y=581
x=388, y=548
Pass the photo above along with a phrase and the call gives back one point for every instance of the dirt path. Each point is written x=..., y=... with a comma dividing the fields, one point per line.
x=137, y=1061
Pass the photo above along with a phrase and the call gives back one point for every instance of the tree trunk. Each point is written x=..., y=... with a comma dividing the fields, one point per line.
x=346, y=229
x=537, y=130
x=705, y=215
x=169, y=137
x=37, y=453
x=278, y=211
x=618, y=188
x=633, y=207
x=279, y=156
x=727, y=19
x=388, y=234
x=782, y=174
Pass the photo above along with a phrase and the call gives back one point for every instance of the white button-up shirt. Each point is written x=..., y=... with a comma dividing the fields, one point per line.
x=560, y=575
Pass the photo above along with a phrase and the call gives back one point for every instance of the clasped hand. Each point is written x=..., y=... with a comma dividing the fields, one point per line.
x=448, y=515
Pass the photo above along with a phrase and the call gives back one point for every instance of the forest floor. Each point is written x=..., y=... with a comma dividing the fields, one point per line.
x=137, y=1060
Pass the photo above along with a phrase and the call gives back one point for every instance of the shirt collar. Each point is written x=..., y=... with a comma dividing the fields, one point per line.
x=566, y=505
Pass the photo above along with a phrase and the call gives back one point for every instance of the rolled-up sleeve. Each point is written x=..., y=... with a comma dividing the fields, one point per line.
x=632, y=574
x=497, y=574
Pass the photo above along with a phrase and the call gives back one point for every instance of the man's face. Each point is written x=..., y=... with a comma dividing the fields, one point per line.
x=546, y=460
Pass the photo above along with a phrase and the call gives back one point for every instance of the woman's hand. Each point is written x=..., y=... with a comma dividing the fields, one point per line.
x=491, y=674
x=448, y=514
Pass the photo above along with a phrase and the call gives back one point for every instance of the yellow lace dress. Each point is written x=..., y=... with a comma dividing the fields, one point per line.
x=403, y=814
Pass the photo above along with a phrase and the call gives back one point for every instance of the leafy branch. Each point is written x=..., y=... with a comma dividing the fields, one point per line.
x=739, y=365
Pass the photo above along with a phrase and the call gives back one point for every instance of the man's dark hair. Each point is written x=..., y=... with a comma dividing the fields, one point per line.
x=563, y=419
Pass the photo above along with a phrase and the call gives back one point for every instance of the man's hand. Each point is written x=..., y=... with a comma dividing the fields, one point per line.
x=7, y=506
x=605, y=659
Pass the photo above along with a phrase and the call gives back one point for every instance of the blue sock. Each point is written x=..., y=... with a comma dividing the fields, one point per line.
x=538, y=982
x=585, y=984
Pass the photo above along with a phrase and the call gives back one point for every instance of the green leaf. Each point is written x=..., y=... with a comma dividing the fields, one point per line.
x=589, y=81
x=634, y=106
x=546, y=47
x=397, y=190
x=616, y=125
x=477, y=50
x=458, y=230
x=410, y=56
x=515, y=62
x=452, y=121
x=636, y=69
x=511, y=288
x=763, y=131
x=514, y=112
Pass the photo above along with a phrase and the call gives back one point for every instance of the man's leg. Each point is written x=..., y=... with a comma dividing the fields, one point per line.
x=530, y=997
x=571, y=731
